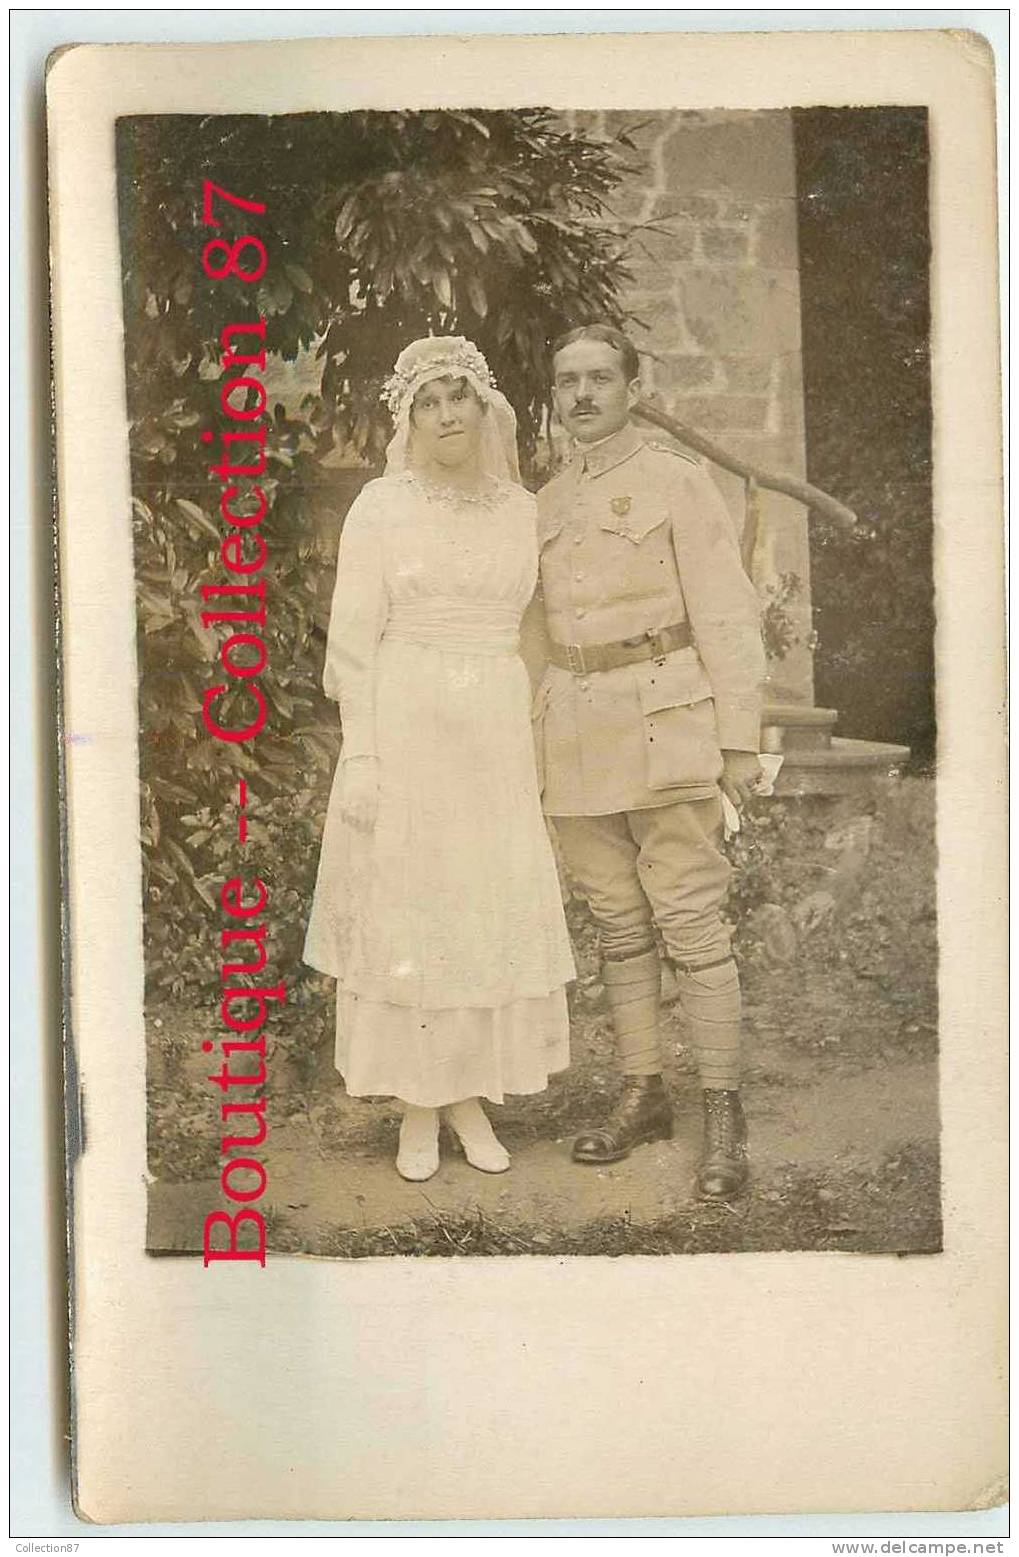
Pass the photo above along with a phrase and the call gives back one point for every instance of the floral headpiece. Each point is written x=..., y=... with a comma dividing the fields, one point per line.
x=434, y=357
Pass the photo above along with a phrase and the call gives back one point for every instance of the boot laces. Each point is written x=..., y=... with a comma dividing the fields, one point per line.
x=725, y=1137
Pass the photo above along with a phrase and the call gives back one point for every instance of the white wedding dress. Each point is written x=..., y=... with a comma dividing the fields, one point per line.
x=443, y=926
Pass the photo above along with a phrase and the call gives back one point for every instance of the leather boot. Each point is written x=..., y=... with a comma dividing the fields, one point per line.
x=643, y=1113
x=724, y=1170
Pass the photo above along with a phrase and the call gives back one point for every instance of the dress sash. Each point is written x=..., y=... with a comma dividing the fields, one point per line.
x=488, y=627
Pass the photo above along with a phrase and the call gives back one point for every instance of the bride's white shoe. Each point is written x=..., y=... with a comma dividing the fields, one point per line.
x=481, y=1146
x=418, y=1156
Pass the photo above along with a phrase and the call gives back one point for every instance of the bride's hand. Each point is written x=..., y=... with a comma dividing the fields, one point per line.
x=359, y=792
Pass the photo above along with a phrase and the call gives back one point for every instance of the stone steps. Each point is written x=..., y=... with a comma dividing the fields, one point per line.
x=818, y=762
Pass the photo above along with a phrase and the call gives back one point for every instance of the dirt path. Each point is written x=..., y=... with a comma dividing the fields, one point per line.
x=844, y=1136
x=819, y=1131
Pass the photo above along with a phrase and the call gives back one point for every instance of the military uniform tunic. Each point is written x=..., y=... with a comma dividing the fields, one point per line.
x=634, y=538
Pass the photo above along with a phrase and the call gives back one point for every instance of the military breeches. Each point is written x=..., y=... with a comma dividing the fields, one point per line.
x=664, y=866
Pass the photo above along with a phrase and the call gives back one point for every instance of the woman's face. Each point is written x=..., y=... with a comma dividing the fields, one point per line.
x=446, y=416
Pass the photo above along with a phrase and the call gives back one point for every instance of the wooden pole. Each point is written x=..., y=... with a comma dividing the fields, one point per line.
x=803, y=491
x=751, y=524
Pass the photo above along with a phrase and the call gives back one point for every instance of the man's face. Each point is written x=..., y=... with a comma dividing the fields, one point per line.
x=592, y=395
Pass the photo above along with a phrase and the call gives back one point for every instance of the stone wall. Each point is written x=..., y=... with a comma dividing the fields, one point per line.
x=715, y=301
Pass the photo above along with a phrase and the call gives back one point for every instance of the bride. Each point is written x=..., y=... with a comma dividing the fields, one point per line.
x=437, y=906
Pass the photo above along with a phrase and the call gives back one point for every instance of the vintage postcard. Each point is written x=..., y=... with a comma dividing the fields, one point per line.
x=531, y=636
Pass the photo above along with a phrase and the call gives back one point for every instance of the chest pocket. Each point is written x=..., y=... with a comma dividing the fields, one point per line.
x=632, y=518
x=680, y=743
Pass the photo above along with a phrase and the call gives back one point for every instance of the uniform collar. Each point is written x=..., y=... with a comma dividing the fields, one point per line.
x=594, y=459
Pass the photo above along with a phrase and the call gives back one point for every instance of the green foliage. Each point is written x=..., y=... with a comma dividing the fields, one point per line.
x=379, y=227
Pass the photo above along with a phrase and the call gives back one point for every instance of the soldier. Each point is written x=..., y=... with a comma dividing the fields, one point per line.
x=650, y=704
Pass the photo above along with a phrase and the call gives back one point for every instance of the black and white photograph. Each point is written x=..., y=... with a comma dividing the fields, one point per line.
x=556, y=489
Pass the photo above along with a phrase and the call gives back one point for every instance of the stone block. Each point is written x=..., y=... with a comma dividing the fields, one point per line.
x=739, y=311
x=681, y=371
x=645, y=127
x=779, y=451
x=656, y=315
x=653, y=276
x=787, y=417
x=725, y=245
x=720, y=413
x=777, y=243
x=790, y=377
x=749, y=154
x=630, y=201
x=787, y=400
x=690, y=208
x=676, y=244
x=739, y=212
x=655, y=312
x=747, y=375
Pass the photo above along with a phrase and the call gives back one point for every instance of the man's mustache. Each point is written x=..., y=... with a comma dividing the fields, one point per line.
x=583, y=405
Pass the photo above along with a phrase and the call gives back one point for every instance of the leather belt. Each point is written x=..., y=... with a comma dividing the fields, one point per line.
x=582, y=658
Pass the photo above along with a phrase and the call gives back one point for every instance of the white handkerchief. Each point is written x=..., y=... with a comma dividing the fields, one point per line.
x=771, y=763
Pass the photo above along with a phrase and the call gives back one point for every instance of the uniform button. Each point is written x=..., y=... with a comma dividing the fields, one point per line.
x=579, y=611
x=585, y=686
x=578, y=540
x=578, y=578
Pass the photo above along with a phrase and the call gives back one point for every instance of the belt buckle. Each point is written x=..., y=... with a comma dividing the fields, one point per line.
x=658, y=649
x=575, y=659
